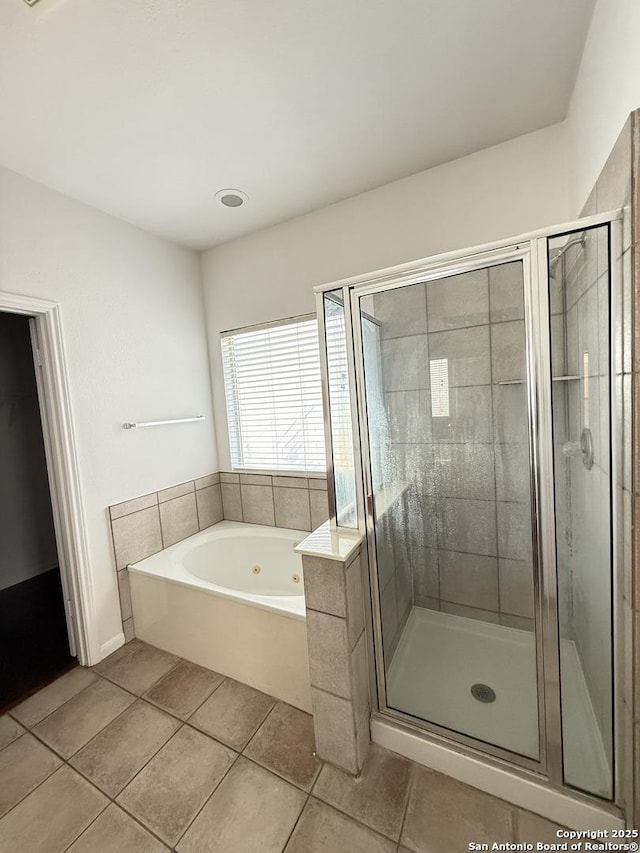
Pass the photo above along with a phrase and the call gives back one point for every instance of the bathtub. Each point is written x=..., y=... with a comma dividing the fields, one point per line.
x=230, y=598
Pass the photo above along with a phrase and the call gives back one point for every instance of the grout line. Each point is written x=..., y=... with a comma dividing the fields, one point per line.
x=46, y=717
x=296, y=822
x=133, y=511
x=90, y=824
x=42, y=781
x=195, y=498
x=160, y=524
x=412, y=781
x=126, y=689
x=337, y=808
x=241, y=502
x=430, y=332
x=204, y=701
x=208, y=798
x=269, y=713
x=279, y=775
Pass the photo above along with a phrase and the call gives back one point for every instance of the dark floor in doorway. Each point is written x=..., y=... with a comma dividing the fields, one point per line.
x=33, y=637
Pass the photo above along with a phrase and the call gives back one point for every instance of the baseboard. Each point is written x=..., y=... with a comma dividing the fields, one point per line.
x=110, y=646
x=525, y=793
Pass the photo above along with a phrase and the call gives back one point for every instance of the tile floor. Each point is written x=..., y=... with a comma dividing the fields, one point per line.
x=148, y=753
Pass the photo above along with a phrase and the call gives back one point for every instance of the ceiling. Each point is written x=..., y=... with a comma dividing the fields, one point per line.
x=146, y=108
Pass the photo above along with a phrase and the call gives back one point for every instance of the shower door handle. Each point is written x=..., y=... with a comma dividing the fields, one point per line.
x=370, y=506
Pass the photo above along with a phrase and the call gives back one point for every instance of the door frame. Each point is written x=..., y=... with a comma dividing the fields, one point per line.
x=52, y=381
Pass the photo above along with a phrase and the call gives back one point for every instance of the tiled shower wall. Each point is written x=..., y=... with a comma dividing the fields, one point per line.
x=145, y=525
x=458, y=540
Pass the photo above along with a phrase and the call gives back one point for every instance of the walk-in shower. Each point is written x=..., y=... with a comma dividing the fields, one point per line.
x=469, y=403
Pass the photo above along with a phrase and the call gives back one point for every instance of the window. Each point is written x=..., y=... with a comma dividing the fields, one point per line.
x=274, y=396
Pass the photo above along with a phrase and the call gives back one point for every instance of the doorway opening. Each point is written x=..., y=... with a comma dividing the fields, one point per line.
x=34, y=632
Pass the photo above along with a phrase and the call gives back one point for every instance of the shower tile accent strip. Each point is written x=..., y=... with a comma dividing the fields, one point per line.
x=338, y=658
x=145, y=525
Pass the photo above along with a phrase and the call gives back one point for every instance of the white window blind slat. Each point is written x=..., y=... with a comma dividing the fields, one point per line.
x=274, y=397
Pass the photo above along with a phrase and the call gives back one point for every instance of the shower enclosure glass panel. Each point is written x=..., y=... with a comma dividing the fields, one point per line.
x=579, y=288
x=447, y=416
x=341, y=428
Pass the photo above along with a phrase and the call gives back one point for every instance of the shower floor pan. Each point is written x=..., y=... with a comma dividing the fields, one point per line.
x=440, y=657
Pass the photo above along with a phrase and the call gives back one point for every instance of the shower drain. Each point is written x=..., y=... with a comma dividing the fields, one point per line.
x=483, y=693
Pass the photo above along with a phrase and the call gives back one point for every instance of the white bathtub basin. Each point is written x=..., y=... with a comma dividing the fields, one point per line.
x=246, y=562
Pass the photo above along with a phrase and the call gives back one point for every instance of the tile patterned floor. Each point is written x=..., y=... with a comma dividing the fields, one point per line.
x=148, y=753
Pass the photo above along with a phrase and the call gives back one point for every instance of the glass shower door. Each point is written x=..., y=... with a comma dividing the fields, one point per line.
x=447, y=423
x=579, y=287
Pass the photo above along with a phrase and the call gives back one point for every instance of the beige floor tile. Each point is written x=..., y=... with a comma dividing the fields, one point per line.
x=115, y=832
x=184, y=689
x=136, y=666
x=114, y=756
x=377, y=798
x=47, y=700
x=23, y=765
x=167, y=794
x=444, y=815
x=322, y=829
x=52, y=816
x=81, y=718
x=533, y=828
x=233, y=713
x=284, y=743
x=9, y=730
x=251, y=810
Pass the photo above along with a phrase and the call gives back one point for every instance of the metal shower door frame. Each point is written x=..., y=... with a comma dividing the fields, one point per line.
x=523, y=253
x=531, y=250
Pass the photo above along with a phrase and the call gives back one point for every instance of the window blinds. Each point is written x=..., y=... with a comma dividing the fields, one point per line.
x=274, y=397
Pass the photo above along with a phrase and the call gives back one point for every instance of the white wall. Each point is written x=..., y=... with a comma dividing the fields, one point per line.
x=501, y=191
x=607, y=89
x=136, y=348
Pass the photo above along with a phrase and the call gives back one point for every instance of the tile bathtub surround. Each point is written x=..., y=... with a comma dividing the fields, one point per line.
x=148, y=781
x=145, y=525
x=294, y=502
x=142, y=526
x=338, y=659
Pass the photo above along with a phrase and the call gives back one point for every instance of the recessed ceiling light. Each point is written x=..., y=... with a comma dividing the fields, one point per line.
x=231, y=198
